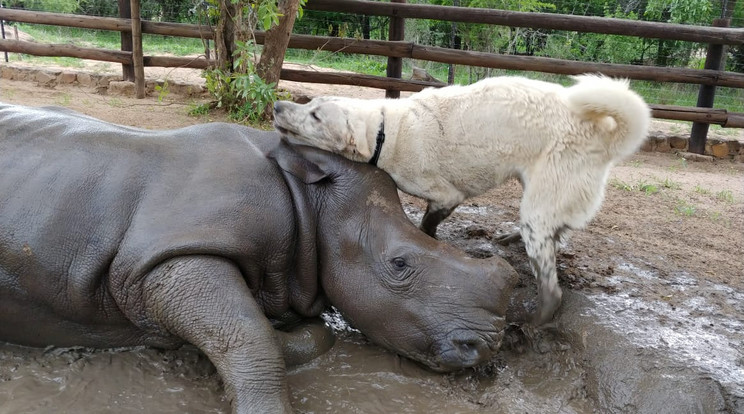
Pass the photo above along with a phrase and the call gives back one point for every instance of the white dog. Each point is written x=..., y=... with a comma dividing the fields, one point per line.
x=448, y=144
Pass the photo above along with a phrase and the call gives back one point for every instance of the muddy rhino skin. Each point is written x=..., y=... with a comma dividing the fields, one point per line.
x=114, y=236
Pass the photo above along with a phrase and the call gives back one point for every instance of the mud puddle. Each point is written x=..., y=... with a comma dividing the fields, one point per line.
x=354, y=377
x=679, y=319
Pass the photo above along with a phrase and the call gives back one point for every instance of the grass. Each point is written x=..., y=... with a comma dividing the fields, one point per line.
x=103, y=39
x=700, y=190
x=635, y=163
x=668, y=183
x=680, y=164
x=684, y=208
x=63, y=100
x=725, y=195
x=621, y=185
x=647, y=188
x=196, y=109
x=641, y=186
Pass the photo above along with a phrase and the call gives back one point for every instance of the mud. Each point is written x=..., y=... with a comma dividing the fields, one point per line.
x=604, y=353
x=579, y=366
x=652, y=319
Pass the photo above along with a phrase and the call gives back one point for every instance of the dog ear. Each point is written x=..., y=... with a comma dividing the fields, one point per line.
x=292, y=162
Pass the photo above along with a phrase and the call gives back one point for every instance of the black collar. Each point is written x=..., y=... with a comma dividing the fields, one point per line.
x=378, y=146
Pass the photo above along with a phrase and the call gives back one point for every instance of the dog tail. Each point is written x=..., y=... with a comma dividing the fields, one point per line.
x=614, y=108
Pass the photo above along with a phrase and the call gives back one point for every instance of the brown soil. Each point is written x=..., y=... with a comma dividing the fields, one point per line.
x=666, y=250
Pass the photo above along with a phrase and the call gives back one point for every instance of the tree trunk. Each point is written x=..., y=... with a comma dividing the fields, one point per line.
x=276, y=41
x=225, y=35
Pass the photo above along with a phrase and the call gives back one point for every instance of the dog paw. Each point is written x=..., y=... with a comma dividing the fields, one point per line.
x=506, y=239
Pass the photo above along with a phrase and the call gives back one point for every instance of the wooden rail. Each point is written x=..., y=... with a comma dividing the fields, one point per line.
x=602, y=25
x=414, y=51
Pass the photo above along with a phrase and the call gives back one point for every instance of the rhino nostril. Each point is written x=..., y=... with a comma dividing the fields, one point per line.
x=469, y=348
x=277, y=107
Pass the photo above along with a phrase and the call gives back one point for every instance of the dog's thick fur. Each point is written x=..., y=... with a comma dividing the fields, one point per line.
x=448, y=144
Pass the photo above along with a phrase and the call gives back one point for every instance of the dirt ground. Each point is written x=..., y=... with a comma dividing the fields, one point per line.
x=663, y=261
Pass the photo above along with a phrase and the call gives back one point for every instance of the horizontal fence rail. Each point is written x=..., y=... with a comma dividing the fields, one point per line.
x=602, y=25
x=367, y=47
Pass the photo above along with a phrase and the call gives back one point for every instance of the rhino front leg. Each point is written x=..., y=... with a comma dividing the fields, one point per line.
x=305, y=342
x=205, y=301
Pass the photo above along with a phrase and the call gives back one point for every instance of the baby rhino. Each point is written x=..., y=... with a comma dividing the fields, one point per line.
x=113, y=236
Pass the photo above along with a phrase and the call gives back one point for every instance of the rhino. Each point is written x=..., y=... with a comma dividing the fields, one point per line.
x=214, y=235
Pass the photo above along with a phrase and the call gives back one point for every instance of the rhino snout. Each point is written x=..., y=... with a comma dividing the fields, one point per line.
x=468, y=349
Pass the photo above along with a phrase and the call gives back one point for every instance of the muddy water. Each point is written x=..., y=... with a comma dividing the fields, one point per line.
x=584, y=364
x=354, y=377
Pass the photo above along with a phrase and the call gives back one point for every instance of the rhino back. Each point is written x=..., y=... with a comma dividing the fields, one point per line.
x=87, y=208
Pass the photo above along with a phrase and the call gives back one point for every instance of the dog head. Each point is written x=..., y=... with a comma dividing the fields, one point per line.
x=334, y=124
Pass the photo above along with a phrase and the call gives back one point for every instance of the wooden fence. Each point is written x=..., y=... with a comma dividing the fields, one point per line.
x=395, y=49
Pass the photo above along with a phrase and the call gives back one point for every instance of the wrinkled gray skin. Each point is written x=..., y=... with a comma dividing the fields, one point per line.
x=113, y=236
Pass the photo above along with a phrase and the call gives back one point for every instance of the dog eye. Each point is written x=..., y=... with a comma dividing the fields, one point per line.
x=314, y=115
x=399, y=263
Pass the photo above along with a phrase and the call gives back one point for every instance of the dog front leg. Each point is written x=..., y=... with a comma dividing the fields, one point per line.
x=434, y=215
x=540, y=248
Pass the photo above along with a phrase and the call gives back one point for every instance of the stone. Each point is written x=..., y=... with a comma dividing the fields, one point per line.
x=102, y=80
x=734, y=146
x=84, y=79
x=45, y=77
x=662, y=145
x=678, y=142
x=185, y=89
x=6, y=72
x=720, y=150
x=121, y=87
x=649, y=144
x=67, y=77
x=690, y=156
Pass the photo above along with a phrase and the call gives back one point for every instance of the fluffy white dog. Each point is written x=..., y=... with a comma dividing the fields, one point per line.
x=448, y=144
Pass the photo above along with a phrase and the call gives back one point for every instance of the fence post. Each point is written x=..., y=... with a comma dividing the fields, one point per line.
x=707, y=93
x=2, y=28
x=395, y=64
x=139, y=68
x=125, y=12
x=454, y=44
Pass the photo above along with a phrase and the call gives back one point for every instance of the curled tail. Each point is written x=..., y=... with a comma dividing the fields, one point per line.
x=597, y=97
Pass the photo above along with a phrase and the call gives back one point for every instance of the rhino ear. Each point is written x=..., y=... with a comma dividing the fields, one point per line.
x=292, y=162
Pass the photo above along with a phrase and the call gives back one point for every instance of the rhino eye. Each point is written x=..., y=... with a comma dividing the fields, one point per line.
x=314, y=115
x=399, y=263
